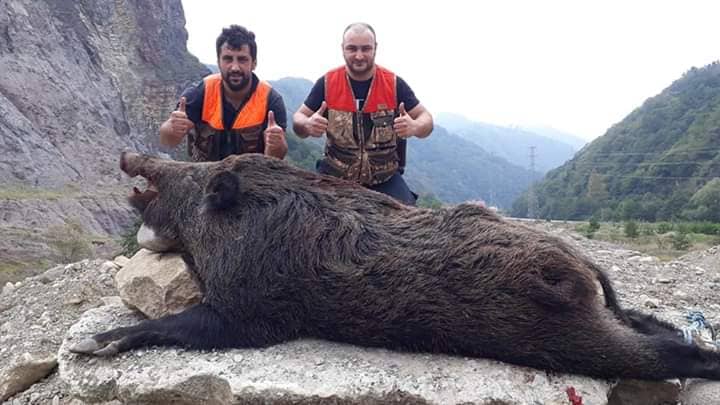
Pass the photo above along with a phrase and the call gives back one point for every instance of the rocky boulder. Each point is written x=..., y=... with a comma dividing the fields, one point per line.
x=157, y=284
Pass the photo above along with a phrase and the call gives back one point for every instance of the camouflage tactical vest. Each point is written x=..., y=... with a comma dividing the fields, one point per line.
x=361, y=144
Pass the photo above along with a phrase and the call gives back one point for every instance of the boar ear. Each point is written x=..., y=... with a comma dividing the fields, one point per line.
x=222, y=191
x=139, y=200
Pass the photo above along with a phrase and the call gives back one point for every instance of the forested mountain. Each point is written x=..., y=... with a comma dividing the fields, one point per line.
x=512, y=144
x=304, y=152
x=294, y=91
x=457, y=170
x=661, y=162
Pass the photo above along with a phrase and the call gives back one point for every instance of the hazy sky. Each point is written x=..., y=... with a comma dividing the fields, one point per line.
x=578, y=66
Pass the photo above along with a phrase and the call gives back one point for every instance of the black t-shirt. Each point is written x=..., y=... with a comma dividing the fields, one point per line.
x=194, y=97
x=360, y=90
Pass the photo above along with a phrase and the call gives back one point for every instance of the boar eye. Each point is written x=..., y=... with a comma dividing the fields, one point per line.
x=222, y=191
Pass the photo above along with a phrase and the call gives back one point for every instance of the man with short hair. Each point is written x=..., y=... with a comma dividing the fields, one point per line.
x=231, y=112
x=367, y=113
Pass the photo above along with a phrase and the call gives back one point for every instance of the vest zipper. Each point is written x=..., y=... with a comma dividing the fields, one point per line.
x=361, y=128
x=361, y=138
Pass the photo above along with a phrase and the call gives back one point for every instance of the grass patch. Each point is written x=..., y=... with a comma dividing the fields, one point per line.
x=16, y=271
x=34, y=193
x=26, y=252
x=662, y=240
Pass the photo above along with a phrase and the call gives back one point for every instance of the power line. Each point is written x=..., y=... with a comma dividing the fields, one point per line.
x=616, y=176
x=665, y=177
x=665, y=152
x=610, y=164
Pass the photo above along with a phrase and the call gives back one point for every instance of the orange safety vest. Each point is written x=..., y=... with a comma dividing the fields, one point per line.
x=212, y=141
x=361, y=144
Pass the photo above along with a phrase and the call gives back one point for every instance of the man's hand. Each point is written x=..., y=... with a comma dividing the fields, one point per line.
x=177, y=126
x=404, y=125
x=317, y=124
x=275, y=143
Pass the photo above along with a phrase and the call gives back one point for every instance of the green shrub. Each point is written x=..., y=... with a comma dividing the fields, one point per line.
x=69, y=241
x=647, y=230
x=664, y=227
x=631, y=229
x=705, y=228
x=586, y=230
x=428, y=201
x=680, y=241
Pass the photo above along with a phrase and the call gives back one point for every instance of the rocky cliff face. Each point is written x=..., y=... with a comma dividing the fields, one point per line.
x=80, y=82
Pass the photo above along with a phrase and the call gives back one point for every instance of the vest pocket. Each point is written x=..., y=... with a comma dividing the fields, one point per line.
x=251, y=140
x=383, y=164
x=340, y=129
x=198, y=143
x=221, y=144
x=382, y=126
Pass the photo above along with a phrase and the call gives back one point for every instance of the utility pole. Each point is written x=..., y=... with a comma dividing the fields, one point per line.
x=531, y=195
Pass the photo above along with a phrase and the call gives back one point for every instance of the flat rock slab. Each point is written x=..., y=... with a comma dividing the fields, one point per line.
x=24, y=372
x=701, y=392
x=304, y=371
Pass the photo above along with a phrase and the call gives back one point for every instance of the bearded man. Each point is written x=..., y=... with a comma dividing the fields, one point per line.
x=231, y=112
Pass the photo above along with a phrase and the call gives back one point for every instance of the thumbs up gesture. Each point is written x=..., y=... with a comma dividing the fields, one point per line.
x=179, y=121
x=404, y=125
x=317, y=124
x=275, y=143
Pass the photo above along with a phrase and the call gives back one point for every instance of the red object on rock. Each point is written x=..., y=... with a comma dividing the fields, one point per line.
x=574, y=398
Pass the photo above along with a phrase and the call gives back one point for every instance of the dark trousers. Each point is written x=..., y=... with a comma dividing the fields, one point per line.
x=395, y=187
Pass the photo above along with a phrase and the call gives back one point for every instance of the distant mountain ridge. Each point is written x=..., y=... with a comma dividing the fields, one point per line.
x=573, y=140
x=294, y=91
x=661, y=162
x=516, y=145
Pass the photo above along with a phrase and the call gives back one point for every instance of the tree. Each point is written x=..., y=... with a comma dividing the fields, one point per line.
x=706, y=202
x=629, y=209
x=597, y=187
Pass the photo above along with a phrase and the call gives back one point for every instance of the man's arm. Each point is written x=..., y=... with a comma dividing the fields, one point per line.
x=275, y=142
x=423, y=121
x=417, y=121
x=309, y=119
x=308, y=122
x=176, y=127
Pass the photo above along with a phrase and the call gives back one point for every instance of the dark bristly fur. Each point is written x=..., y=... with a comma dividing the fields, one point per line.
x=283, y=254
